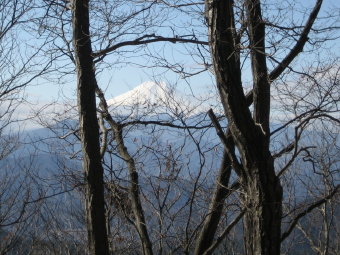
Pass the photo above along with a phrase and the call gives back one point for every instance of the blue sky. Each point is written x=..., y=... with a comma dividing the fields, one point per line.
x=119, y=80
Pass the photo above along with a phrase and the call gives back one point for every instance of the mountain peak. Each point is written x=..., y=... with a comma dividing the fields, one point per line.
x=150, y=98
x=146, y=93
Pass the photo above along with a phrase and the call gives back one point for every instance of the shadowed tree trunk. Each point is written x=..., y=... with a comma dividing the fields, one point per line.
x=262, y=195
x=262, y=192
x=86, y=86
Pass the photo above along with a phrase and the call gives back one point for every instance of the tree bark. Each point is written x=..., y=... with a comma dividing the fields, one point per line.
x=89, y=129
x=262, y=192
x=262, y=221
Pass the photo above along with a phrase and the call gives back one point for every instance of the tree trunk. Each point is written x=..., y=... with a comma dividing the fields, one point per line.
x=210, y=224
x=262, y=192
x=134, y=192
x=262, y=221
x=134, y=188
x=89, y=129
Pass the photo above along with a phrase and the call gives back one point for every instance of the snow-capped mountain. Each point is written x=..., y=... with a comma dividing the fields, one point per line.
x=157, y=98
x=146, y=93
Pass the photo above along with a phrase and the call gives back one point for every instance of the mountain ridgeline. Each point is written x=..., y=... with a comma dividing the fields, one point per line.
x=177, y=154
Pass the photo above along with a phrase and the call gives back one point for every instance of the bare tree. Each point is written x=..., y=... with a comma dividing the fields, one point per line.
x=251, y=175
x=249, y=129
x=106, y=42
x=19, y=67
x=89, y=130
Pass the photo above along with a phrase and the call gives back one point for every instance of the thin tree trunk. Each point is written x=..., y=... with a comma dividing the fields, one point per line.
x=134, y=192
x=210, y=224
x=89, y=129
x=134, y=189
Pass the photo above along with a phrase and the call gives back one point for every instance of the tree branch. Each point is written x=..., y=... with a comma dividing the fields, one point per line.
x=143, y=40
x=228, y=143
x=224, y=233
x=308, y=210
x=294, y=52
x=299, y=44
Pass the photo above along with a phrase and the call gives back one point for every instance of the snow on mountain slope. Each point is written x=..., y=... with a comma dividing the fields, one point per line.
x=157, y=98
x=146, y=93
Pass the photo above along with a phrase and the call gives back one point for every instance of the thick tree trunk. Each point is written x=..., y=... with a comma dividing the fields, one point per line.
x=94, y=188
x=262, y=221
x=262, y=192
